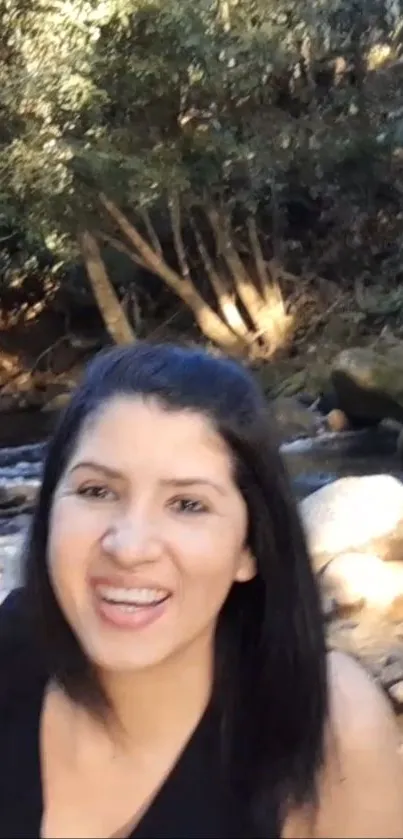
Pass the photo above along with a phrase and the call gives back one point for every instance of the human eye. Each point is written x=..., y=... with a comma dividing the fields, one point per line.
x=95, y=492
x=188, y=505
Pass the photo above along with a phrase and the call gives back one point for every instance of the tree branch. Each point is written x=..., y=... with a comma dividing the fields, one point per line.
x=225, y=299
x=153, y=260
x=175, y=214
x=261, y=268
x=151, y=231
x=113, y=315
x=247, y=291
x=119, y=246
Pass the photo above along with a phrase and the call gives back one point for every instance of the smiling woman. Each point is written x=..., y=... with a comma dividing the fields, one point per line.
x=164, y=671
x=158, y=538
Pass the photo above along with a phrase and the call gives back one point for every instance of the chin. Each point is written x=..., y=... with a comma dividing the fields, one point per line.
x=115, y=659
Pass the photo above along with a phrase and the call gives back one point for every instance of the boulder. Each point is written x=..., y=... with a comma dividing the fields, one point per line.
x=369, y=383
x=355, y=515
x=355, y=535
x=352, y=581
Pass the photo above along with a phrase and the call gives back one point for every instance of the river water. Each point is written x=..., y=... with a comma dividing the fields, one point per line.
x=313, y=463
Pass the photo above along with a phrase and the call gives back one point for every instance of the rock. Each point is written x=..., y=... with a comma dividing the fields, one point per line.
x=354, y=580
x=294, y=420
x=369, y=383
x=345, y=580
x=355, y=534
x=327, y=401
x=355, y=514
x=17, y=493
x=392, y=673
x=337, y=420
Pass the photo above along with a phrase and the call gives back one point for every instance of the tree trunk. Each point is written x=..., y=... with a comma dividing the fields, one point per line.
x=112, y=313
x=210, y=323
x=227, y=329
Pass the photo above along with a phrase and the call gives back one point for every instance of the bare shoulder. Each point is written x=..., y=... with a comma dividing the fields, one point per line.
x=361, y=785
x=357, y=705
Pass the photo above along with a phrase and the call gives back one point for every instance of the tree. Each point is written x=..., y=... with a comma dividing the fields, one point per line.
x=128, y=111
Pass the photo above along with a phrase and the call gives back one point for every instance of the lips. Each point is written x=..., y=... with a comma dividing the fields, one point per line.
x=126, y=606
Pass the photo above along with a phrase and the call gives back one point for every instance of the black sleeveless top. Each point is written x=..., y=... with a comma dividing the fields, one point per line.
x=192, y=803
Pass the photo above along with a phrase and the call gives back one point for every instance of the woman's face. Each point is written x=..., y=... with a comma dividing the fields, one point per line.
x=147, y=534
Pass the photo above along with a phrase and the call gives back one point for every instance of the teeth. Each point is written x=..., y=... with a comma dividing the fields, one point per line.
x=132, y=596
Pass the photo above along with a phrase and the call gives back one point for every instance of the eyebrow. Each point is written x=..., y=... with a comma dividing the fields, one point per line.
x=182, y=483
x=188, y=482
x=98, y=467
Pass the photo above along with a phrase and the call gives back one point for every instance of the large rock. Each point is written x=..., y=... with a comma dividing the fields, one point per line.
x=369, y=383
x=355, y=535
x=353, y=581
x=363, y=515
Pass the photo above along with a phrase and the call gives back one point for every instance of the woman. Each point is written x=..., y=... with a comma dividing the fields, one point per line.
x=164, y=671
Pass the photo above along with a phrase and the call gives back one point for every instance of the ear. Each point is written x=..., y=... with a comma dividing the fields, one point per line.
x=246, y=567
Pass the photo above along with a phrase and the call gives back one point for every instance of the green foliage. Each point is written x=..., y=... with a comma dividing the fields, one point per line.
x=211, y=100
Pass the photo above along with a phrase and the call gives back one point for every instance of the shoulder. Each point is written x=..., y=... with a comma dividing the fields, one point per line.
x=362, y=721
x=357, y=704
x=361, y=784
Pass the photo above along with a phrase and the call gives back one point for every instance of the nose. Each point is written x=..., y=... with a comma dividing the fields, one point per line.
x=129, y=542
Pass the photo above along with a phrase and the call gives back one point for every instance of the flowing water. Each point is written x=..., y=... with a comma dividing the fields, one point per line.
x=313, y=463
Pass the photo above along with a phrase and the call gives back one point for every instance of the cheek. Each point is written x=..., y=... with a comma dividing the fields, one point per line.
x=70, y=537
x=211, y=552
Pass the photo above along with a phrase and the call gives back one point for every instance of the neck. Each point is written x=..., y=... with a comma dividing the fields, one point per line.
x=168, y=698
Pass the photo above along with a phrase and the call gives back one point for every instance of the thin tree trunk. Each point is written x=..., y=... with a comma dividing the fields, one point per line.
x=112, y=313
x=212, y=326
x=245, y=287
x=152, y=233
x=175, y=213
x=225, y=298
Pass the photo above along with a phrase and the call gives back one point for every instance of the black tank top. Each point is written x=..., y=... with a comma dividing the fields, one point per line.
x=192, y=803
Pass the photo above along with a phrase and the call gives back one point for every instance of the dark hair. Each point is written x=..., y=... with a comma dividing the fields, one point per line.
x=270, y=680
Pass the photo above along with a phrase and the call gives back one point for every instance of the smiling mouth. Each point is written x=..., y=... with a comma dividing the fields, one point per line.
x=131, y=599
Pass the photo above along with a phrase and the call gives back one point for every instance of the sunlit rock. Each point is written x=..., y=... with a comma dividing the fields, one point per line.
x=353, y=580
x=355, y=514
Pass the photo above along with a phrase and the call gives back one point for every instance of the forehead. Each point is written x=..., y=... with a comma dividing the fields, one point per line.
x=130, y=429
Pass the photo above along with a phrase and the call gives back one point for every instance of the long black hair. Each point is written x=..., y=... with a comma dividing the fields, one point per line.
x=270, y=661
